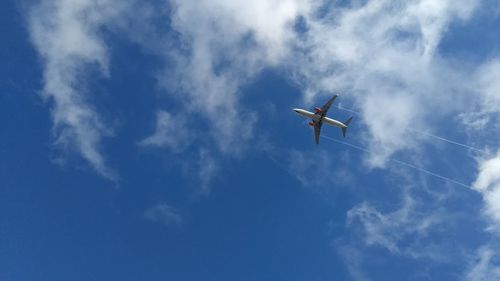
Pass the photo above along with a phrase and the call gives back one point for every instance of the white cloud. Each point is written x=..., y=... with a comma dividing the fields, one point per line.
x=66, y=34
x=489, y=86
x=488, y=184
x=164, y=214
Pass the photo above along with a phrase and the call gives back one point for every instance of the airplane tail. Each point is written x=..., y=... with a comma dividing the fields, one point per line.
x=344, y=130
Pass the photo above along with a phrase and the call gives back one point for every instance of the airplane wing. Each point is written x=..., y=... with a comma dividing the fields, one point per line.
x=327, y=105
x=317, y=131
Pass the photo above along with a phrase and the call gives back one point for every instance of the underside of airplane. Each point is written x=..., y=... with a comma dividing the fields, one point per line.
x=319, y=117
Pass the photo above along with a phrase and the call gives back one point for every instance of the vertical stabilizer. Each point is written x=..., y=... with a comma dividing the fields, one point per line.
x=344, y=130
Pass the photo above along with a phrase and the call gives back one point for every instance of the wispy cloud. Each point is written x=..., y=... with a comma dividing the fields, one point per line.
x=484, y=110
x=401, y=232
x=207, y=170
x=171, y=132
x=164, y=214
x=482, y=268
x=66, y=34
x=488, y=86
x=200, y=169
x=419, y=231
x=353, y=259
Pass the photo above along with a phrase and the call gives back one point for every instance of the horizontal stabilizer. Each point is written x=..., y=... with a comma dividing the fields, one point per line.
x=348, y=121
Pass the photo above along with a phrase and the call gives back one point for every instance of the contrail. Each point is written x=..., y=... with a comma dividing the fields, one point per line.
x=426, y=134
x=348, y=110
x=449, y=141
x=420, y=169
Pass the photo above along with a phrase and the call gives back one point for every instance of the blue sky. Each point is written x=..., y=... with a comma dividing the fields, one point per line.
x=154, y=140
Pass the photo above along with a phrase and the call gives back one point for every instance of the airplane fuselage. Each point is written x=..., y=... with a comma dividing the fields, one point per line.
x=317, y=117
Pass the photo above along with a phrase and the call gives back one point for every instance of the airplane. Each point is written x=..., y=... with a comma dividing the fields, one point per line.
x=319, y=117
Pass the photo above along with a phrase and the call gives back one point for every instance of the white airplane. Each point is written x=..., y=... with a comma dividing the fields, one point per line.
x=319, y=117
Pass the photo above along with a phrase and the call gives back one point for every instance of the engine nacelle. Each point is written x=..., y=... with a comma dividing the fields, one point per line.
x=318, y=110
x=311, y=124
